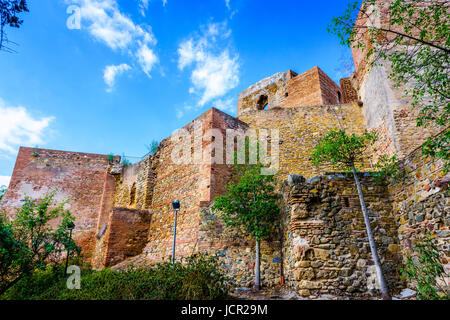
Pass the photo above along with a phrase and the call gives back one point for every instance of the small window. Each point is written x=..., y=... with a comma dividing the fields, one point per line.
x=263, y=102
x=346, y=202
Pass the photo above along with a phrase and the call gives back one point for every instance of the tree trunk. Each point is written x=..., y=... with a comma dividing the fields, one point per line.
x=384, y=289
x=281, y=257
x=257, y=285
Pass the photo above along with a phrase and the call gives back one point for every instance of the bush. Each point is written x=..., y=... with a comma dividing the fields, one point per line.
x=198, y=278
x=424, y=268
x=29, y=243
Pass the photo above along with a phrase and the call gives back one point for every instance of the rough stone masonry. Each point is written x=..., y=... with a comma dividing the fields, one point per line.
x=124, y=215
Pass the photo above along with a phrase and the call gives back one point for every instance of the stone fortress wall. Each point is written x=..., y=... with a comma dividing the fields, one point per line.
x=124, y=215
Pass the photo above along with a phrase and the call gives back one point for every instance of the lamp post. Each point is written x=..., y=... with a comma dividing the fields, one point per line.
x=176, y=208
x=70, y=227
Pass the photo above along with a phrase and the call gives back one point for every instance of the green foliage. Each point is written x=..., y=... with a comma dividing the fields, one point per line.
x=125, y=161
x=28, y=242
x=388, y=169
x=198, y=278
x=250, y=204
x=417, y=45
x=438, y=147
x=424, y=269
x=110, y=157
x=341, y=150
x=9, y=17
x=2, y=191
x=153, y=147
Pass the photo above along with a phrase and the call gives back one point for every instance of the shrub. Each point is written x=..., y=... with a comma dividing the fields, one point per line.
x=125, y=160
x=28, y=242
x=2, y=191
x=153, y=147
x=110, y=157
x=424, y=269
x=389, y=170
x=197, y=278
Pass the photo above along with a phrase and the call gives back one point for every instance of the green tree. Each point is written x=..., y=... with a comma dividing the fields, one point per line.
x=250, y=204
x=9, y=17
x=28, y=242
x=424, y=268
x=416, y=43
x=343, y=151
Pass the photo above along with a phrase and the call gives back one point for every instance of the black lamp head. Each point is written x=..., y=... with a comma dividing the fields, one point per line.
x=70, y=225
x=176, y=204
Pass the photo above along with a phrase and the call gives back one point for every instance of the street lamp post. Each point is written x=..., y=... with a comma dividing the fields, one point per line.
x=176, y=208
x=70, y=227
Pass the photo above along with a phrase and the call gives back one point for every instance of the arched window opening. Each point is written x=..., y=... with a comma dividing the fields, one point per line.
x=263, y=102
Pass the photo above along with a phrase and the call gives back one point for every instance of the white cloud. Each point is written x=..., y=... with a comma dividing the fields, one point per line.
x=18, y=127
x=227, y=105
x=4, y=180
x=146, y=58
x=227, y=3
x=111, y=72
x=107, y=24
x=215, y=70
x=143, y=6
x=180, y=113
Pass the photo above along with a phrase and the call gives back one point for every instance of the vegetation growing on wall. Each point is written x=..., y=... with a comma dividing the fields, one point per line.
x=342, y=151
x=417, y=45
x=2, y=191
x=125, y=161
x=110, y=157
x=424, y=268
x=153, y=147
x=388, y=169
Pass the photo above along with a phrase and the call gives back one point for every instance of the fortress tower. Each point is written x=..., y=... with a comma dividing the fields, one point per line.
x=124, y=213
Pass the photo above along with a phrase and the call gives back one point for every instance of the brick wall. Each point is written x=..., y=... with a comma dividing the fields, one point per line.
x=311, y=88
x=274, y=88
x=330, y=90
x=300, y=129
x=127, y=234
x=79, y=177
x=387, y=111
x=421, y=204
x=349, y=93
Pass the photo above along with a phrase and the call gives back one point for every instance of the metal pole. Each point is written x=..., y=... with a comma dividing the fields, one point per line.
x=174, y=237
x=371, y=165
x=68, y=252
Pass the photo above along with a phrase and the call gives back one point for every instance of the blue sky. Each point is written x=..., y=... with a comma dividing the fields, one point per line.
x=133, y=71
